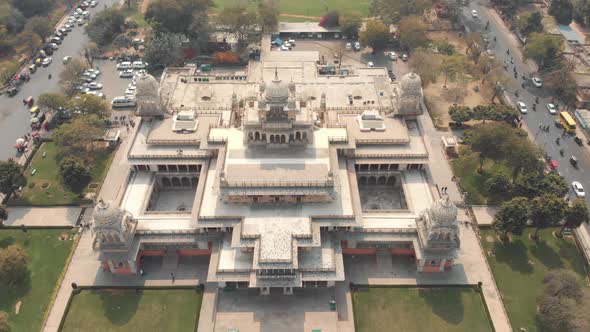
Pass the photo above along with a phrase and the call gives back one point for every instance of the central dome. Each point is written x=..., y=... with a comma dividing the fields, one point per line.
x=277, y=90
x=411, y=84
x=147, y=87
x=443, y=211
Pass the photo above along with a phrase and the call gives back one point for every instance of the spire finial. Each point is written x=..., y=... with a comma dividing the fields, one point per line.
x=276, y=75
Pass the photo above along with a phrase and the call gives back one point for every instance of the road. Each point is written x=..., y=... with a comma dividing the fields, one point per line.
x=14, y=117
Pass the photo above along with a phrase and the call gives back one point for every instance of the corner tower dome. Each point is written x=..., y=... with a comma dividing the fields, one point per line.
x=411, y=84
x=147, y=94
x=106, y=214
x=443, y=211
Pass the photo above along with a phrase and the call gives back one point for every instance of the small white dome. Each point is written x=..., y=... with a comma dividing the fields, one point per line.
x=147, y=87
x=411, y=84
x=443, y=211
x=106, y=214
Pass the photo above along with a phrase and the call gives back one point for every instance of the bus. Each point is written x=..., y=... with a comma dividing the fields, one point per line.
x=567, y=122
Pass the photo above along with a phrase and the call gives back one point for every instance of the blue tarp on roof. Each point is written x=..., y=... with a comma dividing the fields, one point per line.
x=570, y=35
x=279, y=41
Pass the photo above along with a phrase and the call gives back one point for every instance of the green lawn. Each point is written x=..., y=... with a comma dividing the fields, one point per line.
x=520, y=266
x=47, y=254
x=419, y=309
x=309, y=7
x=127, y=310
x=46, y=187
x=466, y=166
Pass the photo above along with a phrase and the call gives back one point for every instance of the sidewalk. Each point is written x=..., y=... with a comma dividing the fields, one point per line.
x=42, y=216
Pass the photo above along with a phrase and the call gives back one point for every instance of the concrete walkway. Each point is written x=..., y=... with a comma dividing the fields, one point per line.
x=42, y=216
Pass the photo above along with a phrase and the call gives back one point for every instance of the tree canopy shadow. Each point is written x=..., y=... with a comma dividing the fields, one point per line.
x=440, y=300
x=5, y=242
x=547, y=255
x=514, y=254
x=11, y=294
x=120, y=305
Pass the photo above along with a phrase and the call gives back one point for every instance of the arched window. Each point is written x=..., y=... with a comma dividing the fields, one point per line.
x=298, y=136
x=283, y=138
x=166, y=182
x=175, y=182
x=257, y=136
x=185, y=182
x=382, y=180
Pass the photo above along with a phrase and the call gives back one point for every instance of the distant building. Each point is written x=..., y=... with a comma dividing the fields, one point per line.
x=276, y=174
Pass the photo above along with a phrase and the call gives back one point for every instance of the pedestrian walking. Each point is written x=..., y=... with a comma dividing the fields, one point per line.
x=172, y=276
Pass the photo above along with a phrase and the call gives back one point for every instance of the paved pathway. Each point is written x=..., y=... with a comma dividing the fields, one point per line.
x=42, y=216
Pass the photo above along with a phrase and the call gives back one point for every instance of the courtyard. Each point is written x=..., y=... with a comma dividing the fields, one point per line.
x=419, y=309
x=45, y=186
x=47, y=250
x=520, y=266
x=134, y=310
x=246, y=311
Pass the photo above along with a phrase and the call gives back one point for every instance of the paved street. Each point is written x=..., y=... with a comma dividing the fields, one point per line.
x=14, y=118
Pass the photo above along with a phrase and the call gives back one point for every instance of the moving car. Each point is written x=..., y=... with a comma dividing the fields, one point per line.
x=404, y=57
x=474, y=13
x=348, y=46
x=578, y=189
x=392, y=56
x=66, y=59
x=46, y=62
x=521, y=107
x=537, y=82
x=551, y=108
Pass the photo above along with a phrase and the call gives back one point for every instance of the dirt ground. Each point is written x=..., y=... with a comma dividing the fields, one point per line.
x=452, y=37
x=438, y=99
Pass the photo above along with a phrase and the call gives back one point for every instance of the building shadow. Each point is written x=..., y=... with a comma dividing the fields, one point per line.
x=119, y=305
x=514, y=254
x=440, y=300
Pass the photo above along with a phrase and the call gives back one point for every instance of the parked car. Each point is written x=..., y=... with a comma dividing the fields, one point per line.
x=54, y=46
x=578, y=189
x=80, y=22
x=47, y=61
x=370, y=64
x=68, y=27
x=66, y=59
x=130, y=92
x=93, y=4
x=94, y=86
x=138, y=65
x=127, y=73
x=285, y=48
x=392, y=56
x=474, y=13
x=404, y=57
x=94, y=71
x=55, y=40
x=348, y=46
x=357, y=46
x=96, y=93
x=124, y=65
x=551, y=108
x=291, y=41
x=123, y=101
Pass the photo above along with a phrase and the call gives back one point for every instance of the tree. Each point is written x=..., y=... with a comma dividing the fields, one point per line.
x=523, y=154
x=106, y=25
x=175, y=15
x=122, y=41
x=575, y=216
x=238, y=20
x=498, y=185
x=472, y=39
x=40, y=25
x=562, y=10
x=75, y=173
x=11, y=177
x=89, y=104
x=544, y=49
x=581, y=11
x=71, y=75
x=3, y=215
x=475, y=53
x=375, y=34
x=562, y=83
x=451, y=10
x=392, y=11
x=451, y=67
x=268, y=14
x=511, y=217
x=562, y=305
x=426, y=64
x=350, y=24
x=4, y=327
x=163, y=50
x=33, y=7
x=546, y=211
x=13, y=265
x=491, y=141
x=460, y=114
x=11, y=18
x=331, y=19
x=7, y=70
x=30, y=40
x=496, y=79
x=76, y=137
x=531, y=22
x=52, y=101
x=412, y=33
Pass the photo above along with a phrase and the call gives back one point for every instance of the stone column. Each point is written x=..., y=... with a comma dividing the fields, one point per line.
x=264, y=290
x=221, y=284
x=288, y=290
x=133, y=267
x=442, y=265
x=330, y=283
x=420, y=266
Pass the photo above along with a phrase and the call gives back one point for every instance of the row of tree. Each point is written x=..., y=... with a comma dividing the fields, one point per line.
x=14, y=270
x=494, y=112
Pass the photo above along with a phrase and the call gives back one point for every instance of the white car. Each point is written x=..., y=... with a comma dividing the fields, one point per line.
x=66, y=59
x=404, y=57
x=392, y=56
x=46, y=62
x=96, y=93
x=127, y=73
x=130, y=92
x=537, y=82
x=79, y=10
x=521, y=107
x=551, y=108
x=370, y=64
x=138, y=65
x=291, y=42
x=578, y=189
x=348, y=46
x=93, y=4
x=80, y=22
x=124, y=65
x=357, y=46
x=53, y=46
x=474, y=14
x=94, y=86
x=91, y=72
x=68, y=27
x=285, y=48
